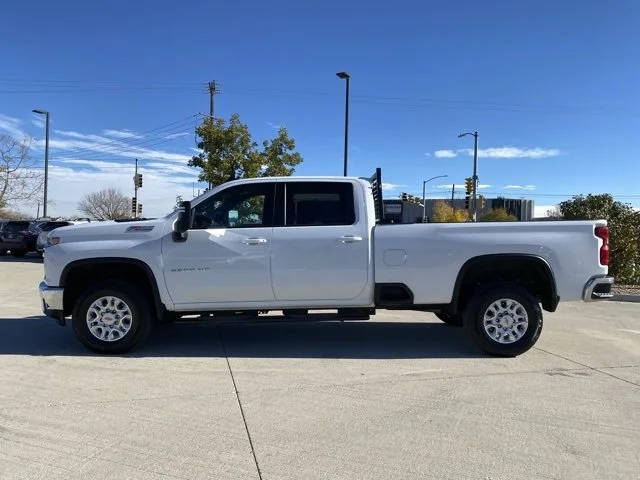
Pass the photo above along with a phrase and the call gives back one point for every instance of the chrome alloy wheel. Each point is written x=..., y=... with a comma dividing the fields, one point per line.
x=109, y=319
x=505, y=320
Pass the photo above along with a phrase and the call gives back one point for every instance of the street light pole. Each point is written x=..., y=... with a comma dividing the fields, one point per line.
x=46, y=158
x=424, y=191
x=347, y=77
x=475, y=173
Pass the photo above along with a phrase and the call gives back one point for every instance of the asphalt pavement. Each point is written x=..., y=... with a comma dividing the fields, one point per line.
x=401, y=396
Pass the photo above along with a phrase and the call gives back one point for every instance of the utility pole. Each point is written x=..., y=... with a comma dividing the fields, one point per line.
x=46, y=157
x=453, y=191
x=347, y=77
x=213, y=89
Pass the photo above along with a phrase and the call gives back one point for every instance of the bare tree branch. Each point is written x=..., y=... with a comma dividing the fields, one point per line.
x=20, y=179
x=107, y=204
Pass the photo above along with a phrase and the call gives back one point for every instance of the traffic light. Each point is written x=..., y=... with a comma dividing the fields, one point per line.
x=467, y=201
x=481, y=202
x=139, y=208
x=468, y=184
x=133, y=205
x=137, y=180
x=404, y=197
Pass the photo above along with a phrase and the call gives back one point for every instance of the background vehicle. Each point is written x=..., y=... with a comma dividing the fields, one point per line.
x=14, y=238
x=44, y=228
x=298, y=243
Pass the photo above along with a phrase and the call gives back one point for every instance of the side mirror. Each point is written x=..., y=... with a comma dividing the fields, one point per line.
x=181, y=224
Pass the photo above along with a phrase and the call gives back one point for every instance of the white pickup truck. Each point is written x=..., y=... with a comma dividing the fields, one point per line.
x=300, y=243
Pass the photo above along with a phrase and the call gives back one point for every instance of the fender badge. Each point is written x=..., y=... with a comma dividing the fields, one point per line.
x=140, y=228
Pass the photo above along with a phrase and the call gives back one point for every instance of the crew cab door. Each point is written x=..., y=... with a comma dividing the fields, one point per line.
x=321, y=248
x=225, y=257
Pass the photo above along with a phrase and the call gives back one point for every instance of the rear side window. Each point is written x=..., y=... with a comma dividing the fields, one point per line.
x=16, y=226
x=319, y=203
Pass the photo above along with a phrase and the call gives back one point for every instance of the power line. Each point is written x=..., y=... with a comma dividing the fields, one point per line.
x=113, y=86
x=120, y=144
x=125, y=149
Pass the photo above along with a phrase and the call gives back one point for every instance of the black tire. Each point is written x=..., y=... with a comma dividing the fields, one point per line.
x=141, y=316
x=453, y=320
x=479, y=305
x=18, y=253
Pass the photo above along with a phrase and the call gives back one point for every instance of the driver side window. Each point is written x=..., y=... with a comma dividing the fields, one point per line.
x=242, y=206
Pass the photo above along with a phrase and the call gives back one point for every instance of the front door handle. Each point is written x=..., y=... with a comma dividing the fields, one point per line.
x=255, y=241
x=350, y=239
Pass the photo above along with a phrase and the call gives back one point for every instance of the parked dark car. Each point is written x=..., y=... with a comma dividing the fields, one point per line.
x=15, y=237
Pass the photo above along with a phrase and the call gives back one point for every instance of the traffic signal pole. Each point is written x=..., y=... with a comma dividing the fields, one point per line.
x=135, y=192
x=475, y=176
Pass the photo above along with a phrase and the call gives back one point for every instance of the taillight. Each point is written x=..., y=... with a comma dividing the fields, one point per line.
x=603, y=233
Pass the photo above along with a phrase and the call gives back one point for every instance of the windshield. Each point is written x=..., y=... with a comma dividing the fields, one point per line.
x=50, y=226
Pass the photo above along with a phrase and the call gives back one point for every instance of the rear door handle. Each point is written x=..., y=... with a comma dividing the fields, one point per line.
x=255, y=241
x=350, y=239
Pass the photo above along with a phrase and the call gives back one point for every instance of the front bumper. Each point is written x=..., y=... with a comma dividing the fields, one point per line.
x=598, y=288
x=52, y=301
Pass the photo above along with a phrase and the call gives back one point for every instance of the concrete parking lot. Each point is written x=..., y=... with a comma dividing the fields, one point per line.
x=401, y=396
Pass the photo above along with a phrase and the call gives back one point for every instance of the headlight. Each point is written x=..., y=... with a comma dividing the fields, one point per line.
x=51, y=241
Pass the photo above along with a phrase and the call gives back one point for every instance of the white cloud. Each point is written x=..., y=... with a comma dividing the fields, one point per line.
x=513, y=152
x=70, y=181
x=483, y=186
x=11, y=126
x=520, y=187
x=38, y=122
x=501, y=152
x=108, y=146
x=121, y=133
x=177, y=135
x=275, y=126
x=445, y=153
x=391, y=186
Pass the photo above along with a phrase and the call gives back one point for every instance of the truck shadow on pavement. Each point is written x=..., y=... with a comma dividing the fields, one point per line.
x=273, y=338
x=29, y=258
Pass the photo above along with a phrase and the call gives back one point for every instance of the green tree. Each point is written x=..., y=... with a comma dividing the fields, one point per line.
x=498, y=215
x=229, y=152
x=445, y=213
x=624, y=228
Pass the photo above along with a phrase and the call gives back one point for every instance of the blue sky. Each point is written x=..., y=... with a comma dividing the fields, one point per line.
x=552, y=88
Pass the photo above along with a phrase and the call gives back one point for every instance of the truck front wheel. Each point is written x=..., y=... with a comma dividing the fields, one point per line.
x=111, y=317
x=504, y=320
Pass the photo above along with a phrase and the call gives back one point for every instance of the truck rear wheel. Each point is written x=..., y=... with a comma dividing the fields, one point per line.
x=112, y=317
x=504, y=320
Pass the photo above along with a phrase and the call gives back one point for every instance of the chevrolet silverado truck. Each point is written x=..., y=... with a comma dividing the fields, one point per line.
x=301, y=243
